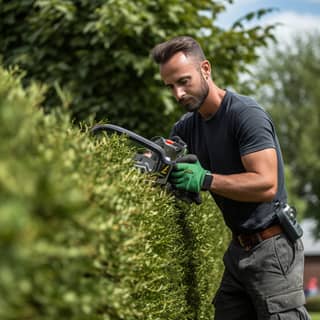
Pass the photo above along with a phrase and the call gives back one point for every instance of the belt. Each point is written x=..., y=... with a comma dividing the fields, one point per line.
x=248, y=241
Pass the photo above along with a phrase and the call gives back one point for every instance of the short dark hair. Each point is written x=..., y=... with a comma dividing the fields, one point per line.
x=162, y=52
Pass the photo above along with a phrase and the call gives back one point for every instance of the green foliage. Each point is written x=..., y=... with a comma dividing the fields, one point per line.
x=291, y=93
x=315, y=315
x=98, y=52
x=83, y=235
x=292, y=184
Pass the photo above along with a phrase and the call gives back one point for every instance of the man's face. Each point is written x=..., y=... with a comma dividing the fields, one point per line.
x=183, y=75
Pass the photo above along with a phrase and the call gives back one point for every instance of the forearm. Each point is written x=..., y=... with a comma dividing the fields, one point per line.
x=248, y=186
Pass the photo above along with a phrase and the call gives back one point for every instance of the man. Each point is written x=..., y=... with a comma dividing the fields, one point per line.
x=240, y=163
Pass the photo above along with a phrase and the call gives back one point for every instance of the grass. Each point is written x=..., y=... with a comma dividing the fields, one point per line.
x=315, y=315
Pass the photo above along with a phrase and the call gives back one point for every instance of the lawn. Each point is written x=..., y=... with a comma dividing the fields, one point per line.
x=315, y=315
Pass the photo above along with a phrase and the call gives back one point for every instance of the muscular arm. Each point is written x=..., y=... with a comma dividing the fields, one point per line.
x=257, y=184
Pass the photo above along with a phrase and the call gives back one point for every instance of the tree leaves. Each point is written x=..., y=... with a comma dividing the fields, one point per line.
x=99, y=51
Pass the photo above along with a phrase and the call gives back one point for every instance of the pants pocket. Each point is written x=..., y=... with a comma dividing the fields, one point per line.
x=298, y=314
x=285, y=302
x=285, y=252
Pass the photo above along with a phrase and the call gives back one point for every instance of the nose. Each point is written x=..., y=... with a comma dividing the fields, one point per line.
x=179, y=92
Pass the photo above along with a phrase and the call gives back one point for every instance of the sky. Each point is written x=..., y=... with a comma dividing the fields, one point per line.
x=295, y=16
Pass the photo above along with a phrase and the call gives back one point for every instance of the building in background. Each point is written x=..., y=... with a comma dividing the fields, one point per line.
x=312, y=259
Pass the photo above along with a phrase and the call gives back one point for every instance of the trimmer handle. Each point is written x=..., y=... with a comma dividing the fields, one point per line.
x=134, y=137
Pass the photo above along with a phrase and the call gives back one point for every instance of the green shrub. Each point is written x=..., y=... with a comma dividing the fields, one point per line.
x=83, y=235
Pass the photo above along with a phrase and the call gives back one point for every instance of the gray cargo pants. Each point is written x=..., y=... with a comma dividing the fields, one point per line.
x=264, y=283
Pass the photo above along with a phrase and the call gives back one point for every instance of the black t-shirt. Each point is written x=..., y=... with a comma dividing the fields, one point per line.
x=239, y=127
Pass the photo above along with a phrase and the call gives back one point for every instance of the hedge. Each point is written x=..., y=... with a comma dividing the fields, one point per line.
x=84, y=235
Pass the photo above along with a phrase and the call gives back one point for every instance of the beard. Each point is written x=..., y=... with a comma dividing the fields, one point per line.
x=192, y=103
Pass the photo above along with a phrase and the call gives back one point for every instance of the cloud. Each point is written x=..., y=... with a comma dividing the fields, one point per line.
x=293, y=24
x=245, y=2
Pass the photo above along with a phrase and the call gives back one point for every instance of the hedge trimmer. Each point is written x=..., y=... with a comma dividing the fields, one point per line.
x=159, y=157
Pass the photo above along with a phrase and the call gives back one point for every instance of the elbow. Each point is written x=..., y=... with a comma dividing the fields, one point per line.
x=269, y=188
x=270, y=193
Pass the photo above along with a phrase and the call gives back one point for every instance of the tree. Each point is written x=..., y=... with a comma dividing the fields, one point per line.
x=291, y=94
x=95, y=53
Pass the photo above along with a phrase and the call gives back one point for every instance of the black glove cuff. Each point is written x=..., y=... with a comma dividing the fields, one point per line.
x=207, y=182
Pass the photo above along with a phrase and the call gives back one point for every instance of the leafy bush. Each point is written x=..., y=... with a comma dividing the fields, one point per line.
x=83, y=235
x=98, y=51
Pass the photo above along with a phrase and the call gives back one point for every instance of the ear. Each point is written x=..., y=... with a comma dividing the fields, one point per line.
x=206, y=69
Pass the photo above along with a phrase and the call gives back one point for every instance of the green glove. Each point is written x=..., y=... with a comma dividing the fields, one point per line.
x=188, y=175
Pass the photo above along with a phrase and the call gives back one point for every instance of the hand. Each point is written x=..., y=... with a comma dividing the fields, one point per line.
x=188, y=174
x=186, y=196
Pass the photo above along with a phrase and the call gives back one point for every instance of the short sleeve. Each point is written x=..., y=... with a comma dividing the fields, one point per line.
x=254, y=130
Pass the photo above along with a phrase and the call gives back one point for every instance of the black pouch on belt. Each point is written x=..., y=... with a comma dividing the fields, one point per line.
x=287, y=219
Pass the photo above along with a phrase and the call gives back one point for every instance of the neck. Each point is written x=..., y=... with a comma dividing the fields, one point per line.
x=212, y=102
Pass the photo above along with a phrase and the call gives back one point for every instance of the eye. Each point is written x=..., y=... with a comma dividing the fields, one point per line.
x=184, y=81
